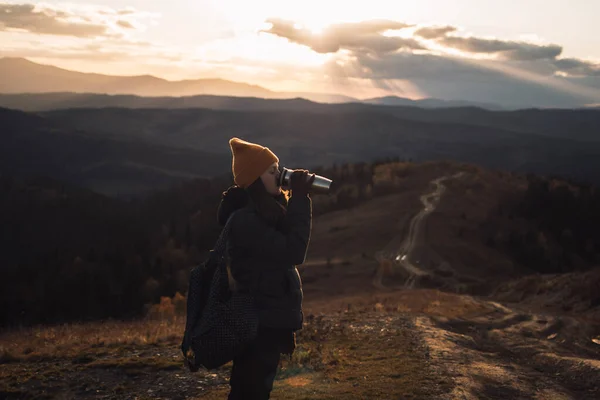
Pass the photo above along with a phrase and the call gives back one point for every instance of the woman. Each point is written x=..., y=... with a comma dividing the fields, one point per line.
x=269, y=236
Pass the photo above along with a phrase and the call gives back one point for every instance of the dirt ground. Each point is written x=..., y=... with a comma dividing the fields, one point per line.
x=410, y=344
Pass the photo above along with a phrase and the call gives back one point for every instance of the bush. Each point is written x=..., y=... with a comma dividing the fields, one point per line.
x=163, y=310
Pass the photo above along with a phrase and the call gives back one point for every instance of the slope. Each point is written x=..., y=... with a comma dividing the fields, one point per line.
x=313, y=138
x=33, y=145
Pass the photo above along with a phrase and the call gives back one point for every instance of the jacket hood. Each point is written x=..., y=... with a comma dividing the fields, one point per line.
x=234, y=198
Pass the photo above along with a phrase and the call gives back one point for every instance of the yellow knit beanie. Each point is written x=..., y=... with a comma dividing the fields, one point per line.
x=250, y=161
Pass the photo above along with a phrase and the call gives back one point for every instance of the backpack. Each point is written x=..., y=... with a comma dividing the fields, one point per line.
x=198, y=289
x=219, y=323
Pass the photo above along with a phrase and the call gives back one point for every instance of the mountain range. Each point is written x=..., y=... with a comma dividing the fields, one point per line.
x=19, y=75
x=128, y=144
x=122, y=152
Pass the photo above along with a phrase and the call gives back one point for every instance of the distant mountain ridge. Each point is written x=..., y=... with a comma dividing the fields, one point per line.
x=18, y=75
x=56, y=101
x=21, y=76
x=430, y=103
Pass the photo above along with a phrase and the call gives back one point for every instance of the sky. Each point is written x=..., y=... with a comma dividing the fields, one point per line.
x=476, y=50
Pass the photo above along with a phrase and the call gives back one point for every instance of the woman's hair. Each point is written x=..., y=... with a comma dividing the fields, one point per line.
x=271, y=208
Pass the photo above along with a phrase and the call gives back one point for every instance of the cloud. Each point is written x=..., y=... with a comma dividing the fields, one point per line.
x=108, y=50
x=125, y=24
x=364, y=36
x=508, y=49
x=575, y=67
x=448, y=77
x=521, y=73
x=82, y=21
x=433, y=32
x=125, y=11
x=46, y=21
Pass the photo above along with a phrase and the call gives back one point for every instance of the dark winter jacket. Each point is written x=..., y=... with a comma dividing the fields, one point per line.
x=263, y=259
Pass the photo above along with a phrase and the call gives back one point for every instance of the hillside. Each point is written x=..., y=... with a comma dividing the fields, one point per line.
x=429, y=103
x=577, y=124
x=33, y=145
x=364, y=340
x=120, y=151
x=307, y=138
x=484, y=226
x=72, y=254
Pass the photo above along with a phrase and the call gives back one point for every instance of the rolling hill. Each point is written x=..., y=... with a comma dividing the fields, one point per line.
x=126, y=151
x=287, y=101
x=57, y=101
x=429, y=103
x=352, y=135
x=36, y=146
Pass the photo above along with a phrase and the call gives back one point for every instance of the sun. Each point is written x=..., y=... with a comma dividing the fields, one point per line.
x=317, y=27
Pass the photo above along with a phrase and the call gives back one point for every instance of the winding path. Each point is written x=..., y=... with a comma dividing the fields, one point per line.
x=404, y=255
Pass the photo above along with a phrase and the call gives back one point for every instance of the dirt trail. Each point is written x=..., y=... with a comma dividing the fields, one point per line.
x=501, y=351
x=510, y=353
x=403, y=255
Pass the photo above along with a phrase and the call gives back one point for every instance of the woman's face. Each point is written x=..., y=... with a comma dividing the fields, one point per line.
x=269, y=178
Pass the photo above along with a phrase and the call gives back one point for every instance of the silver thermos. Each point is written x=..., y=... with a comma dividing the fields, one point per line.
x=320, y=184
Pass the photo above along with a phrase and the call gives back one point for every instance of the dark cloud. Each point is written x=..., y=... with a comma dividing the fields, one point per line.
x=406, y=65
x=575, y=67
x=522, y=74
x=46, y=21
x=508, y=49
x=492, y=81
x=362, y=37
x=434, y=32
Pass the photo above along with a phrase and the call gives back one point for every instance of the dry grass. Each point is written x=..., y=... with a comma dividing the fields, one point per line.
x=362, y=355
x=371, y=350
x=72, y=340
x=576, y=293
x=455, y=231
x=363, y=346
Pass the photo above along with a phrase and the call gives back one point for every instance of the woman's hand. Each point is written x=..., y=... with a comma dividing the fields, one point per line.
x=301, y=182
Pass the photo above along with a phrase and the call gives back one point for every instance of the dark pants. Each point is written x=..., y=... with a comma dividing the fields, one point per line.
x=254, y=370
